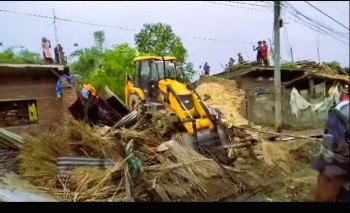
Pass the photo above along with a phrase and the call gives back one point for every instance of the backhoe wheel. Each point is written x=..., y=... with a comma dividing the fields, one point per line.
x=134, y=101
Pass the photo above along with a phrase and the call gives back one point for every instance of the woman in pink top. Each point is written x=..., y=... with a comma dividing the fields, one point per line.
x=46, y=50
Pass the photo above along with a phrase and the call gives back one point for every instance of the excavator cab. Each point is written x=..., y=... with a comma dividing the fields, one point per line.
x=149, y=71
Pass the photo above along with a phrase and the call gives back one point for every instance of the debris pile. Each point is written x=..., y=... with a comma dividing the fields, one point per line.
x=225, y=95
x=120, y=166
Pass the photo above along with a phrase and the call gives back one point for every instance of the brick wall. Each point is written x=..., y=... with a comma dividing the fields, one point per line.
x=50, y=110
x=68, y=98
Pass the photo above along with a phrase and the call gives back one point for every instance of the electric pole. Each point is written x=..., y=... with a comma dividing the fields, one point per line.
x=277, y=69
x=58, y=49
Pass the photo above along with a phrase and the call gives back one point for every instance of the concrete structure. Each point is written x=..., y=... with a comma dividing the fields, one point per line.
x=258, y=83
x=25, y=85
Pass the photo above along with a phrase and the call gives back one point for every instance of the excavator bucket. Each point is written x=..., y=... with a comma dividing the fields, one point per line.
x=209, y=143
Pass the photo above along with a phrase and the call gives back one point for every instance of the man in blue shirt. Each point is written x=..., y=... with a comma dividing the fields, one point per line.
x=332, y=163
x=65, y=77
x=206, y=68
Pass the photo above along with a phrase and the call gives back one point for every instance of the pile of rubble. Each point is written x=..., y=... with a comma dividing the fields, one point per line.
x=224, y=94
x=83, y=163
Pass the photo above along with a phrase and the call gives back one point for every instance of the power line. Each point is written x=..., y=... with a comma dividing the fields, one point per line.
x=219, y=40
x=258, y=5
x=230, y=5
x=56, y=18
x=326, y=15
x=68, y=20
x=314, y=24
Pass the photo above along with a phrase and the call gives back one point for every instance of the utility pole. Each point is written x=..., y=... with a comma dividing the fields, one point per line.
x=291, y=53
x=277, y=69
x=58, y=49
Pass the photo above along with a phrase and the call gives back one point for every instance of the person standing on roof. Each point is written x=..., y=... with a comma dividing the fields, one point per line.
x=206, y=68
x=46, y=45
x=240, y=59
x=201, y=71
x=264, y=53
x=259, y=52
x=231, y=62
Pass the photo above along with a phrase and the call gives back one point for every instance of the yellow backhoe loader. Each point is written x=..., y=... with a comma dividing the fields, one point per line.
x=158, y=87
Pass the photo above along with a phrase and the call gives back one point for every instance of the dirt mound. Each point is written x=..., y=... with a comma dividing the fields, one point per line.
x=225, y=95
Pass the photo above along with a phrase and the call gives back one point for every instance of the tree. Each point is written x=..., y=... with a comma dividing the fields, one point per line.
x=105, y=67
x=89, y=58
x=117, y=63
x=24, y=56
x=335, y=65
x=100, y=39
x=159, y=39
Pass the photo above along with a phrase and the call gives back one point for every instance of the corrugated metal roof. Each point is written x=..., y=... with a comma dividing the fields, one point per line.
x=66, y=164
x=9, y=140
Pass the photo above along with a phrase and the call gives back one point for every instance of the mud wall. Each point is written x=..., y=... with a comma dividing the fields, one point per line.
x=27, y=83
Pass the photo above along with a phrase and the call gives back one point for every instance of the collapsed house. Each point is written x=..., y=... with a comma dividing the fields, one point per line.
x=311, y=81
x=28, y=102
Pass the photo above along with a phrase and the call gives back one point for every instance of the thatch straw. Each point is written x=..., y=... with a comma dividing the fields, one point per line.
x=86, y=141
x=186, y=170
x=226, y=96
x=38, y=160
x=276, y=158
x=178, y=168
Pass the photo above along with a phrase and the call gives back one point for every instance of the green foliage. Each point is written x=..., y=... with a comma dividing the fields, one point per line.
x=105, y=67
x=190, y=72
x=88, y=60
x=334, y=65
x=289, y=65
x=159, y=39
x=24, y=56
x=100, y=39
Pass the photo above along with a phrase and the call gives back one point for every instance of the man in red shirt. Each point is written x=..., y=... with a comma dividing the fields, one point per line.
x=264, y=53
x=345, y=93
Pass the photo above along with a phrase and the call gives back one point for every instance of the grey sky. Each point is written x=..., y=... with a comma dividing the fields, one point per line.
x=188, y=20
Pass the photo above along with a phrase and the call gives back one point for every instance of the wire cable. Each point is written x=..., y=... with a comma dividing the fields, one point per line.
x=326, y=15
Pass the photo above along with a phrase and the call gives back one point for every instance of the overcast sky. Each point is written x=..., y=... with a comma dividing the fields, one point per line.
x=242, y=23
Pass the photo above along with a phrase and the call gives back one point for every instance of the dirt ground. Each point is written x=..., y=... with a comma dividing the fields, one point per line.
x=288, y=177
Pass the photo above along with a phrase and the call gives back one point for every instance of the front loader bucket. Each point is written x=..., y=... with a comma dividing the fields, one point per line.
x=209, y=141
